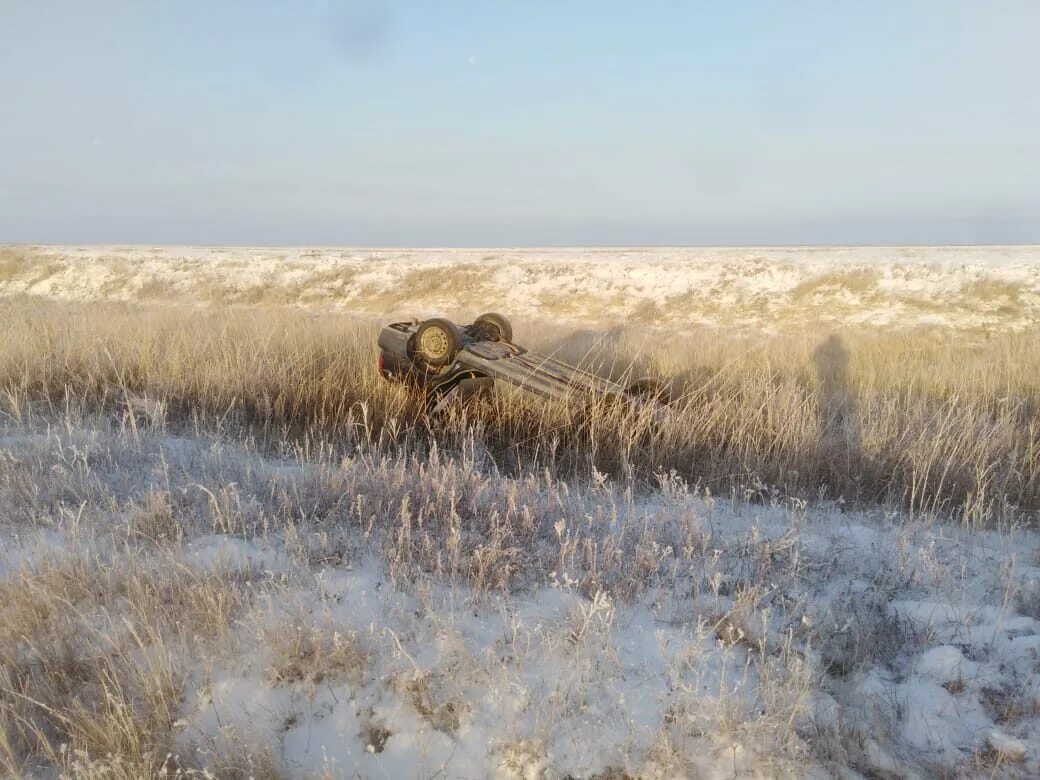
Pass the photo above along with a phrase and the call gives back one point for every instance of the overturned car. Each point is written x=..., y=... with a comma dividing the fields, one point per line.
x=449, y=362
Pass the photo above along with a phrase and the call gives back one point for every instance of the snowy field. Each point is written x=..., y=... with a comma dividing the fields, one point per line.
x=178, y=597
x=384, y=628
x=611, y=635
x=971, y=287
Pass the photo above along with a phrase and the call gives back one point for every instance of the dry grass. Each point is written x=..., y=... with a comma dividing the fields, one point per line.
x=87, y=657
x=992, y=290
x=462, y=283
x=305, y=653
x=859, y=281
x=14, y=261
x=138, y=435
x=929, y=421
x=336, y=585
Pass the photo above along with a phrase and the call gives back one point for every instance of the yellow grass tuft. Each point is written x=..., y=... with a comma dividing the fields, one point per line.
x=858, y=281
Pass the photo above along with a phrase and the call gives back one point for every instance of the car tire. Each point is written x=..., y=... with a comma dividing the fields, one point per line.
x=436, y=342
x=495, y=326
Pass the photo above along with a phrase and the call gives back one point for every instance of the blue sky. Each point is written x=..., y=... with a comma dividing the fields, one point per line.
x=519, y=123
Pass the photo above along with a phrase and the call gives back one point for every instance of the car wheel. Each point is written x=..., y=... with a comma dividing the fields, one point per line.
x=436, y=342
x=494, y=327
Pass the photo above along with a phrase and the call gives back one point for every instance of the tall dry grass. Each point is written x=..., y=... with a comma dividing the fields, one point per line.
x=935, y=422
x=113, y=629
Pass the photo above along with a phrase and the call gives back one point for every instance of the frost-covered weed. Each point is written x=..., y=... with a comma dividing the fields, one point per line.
x=200, y=604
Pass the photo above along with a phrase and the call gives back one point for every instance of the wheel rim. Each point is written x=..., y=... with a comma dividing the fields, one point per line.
x=434, y=343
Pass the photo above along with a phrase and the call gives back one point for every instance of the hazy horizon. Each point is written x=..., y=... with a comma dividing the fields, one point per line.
x=509, y=247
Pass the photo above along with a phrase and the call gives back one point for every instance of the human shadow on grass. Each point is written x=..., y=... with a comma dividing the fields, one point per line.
x=841, y=459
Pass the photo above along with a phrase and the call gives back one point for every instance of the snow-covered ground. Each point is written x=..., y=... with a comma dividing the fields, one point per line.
x=422, y=614
x=399, y=616
x=972, y=287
